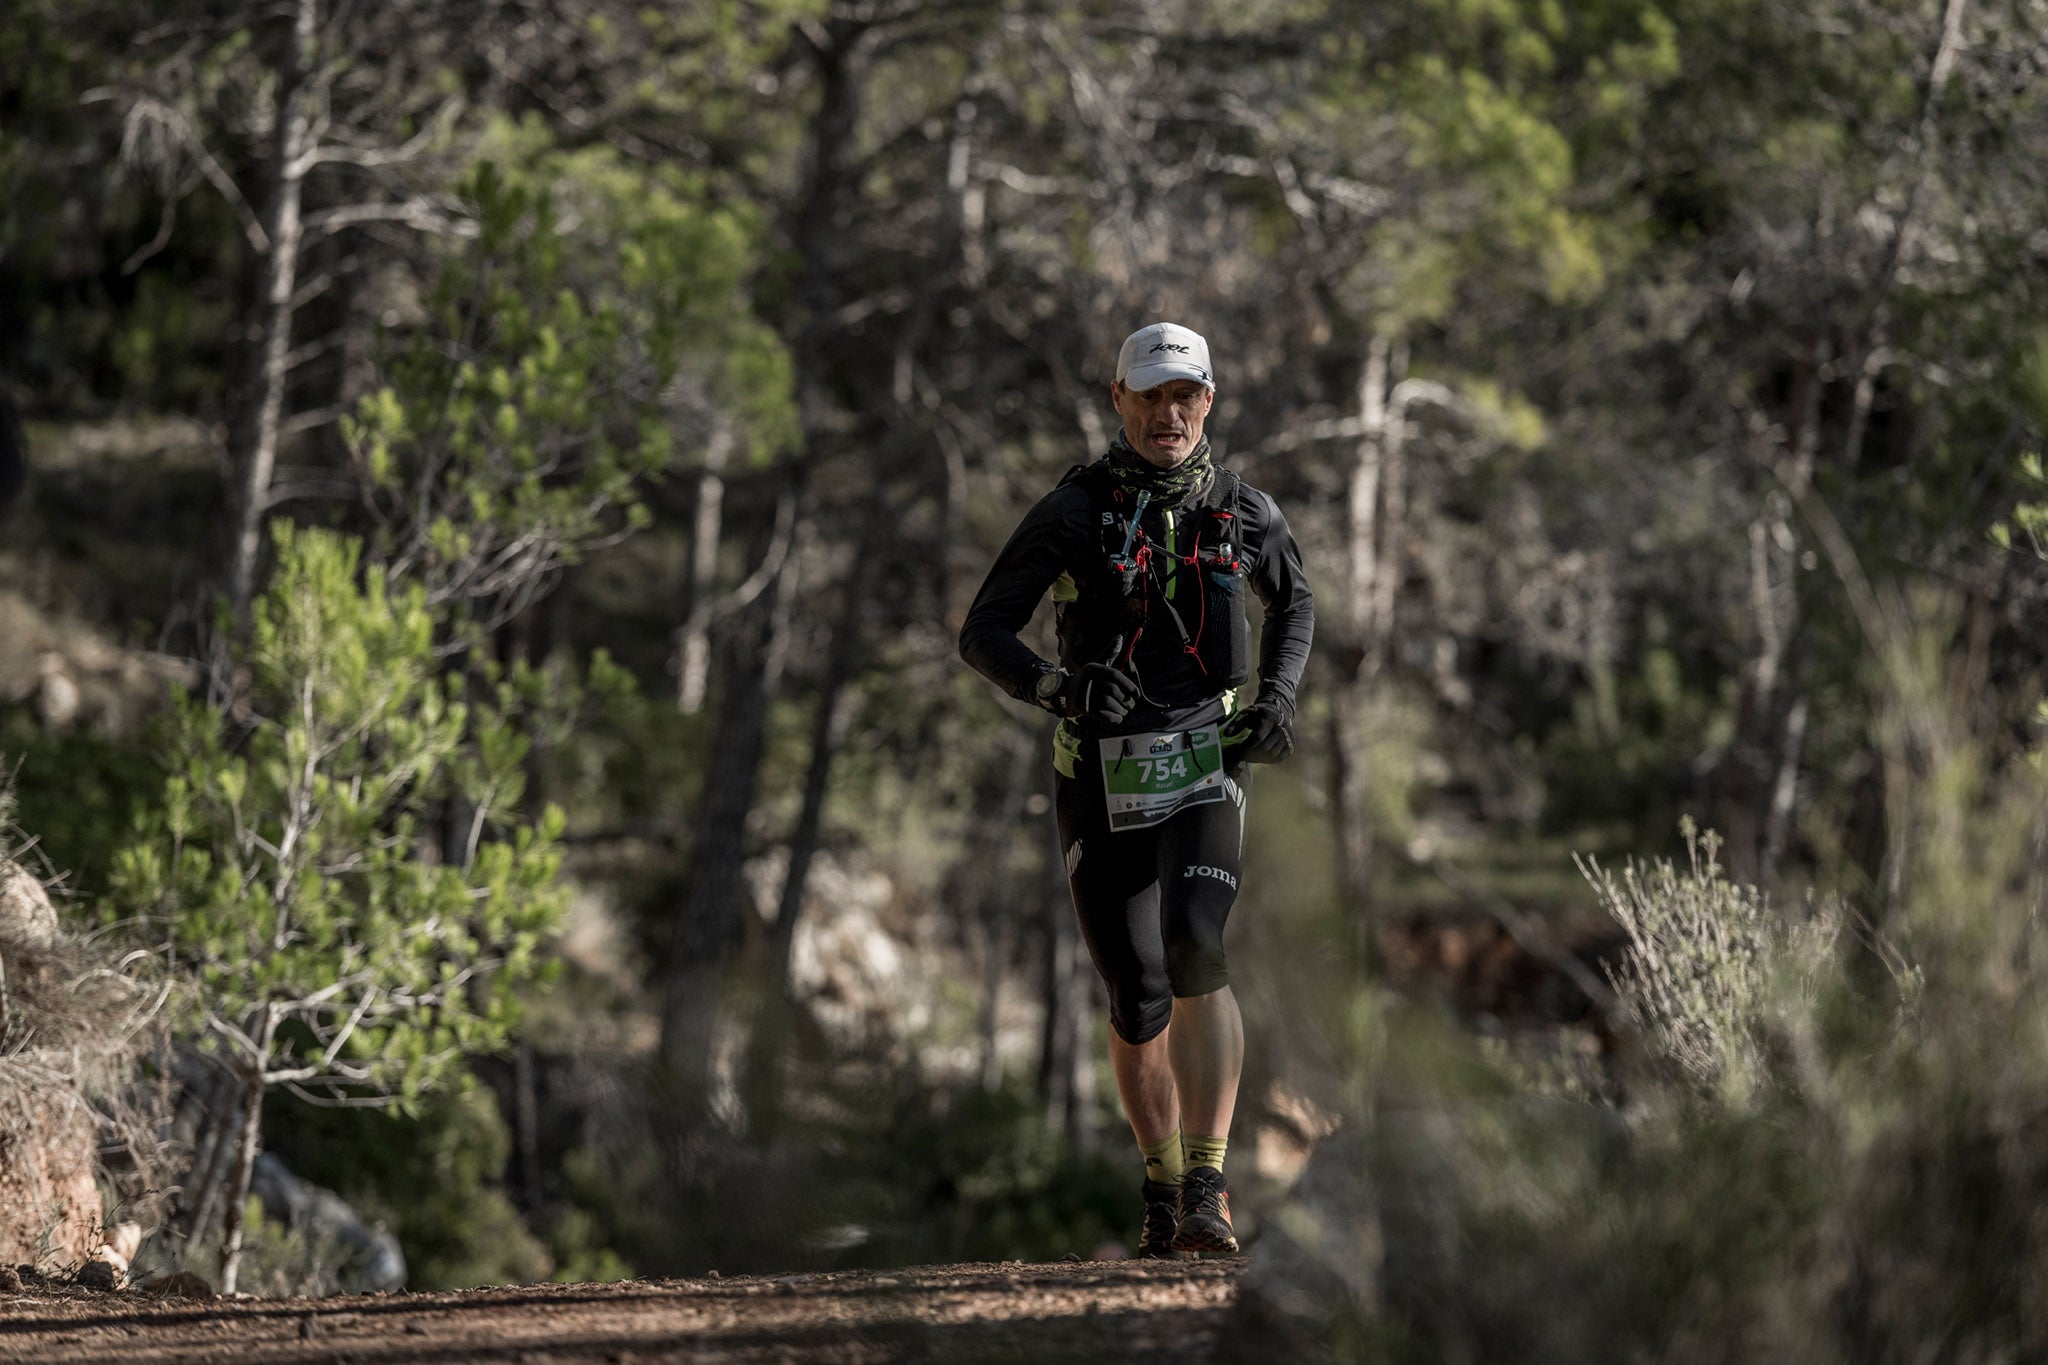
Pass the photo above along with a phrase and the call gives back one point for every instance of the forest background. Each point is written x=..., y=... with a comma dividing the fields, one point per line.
x=505, y=481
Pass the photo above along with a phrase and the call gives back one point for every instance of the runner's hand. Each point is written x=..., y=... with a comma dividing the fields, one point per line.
x=1100, y=691
x=1259, y=734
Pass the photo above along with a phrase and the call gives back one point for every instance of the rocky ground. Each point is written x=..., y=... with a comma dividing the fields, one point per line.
x=1124, y=1311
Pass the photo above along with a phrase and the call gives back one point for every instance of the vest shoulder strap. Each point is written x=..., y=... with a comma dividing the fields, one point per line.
x=1223, y=490
x=1094, y=478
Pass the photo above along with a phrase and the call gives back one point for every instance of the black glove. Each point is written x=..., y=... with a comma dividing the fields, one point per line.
x=1100, y=691
x=1258, y=734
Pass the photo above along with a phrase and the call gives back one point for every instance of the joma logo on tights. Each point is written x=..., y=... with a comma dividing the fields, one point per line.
x=1204, y=870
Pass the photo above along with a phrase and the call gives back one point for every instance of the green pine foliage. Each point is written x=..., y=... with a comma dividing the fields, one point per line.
x=593, y=317
x=2027, y=527
x=337, y=871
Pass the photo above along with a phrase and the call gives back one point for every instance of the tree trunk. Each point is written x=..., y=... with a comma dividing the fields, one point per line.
x=828, y=730
x=710, y=921
x=830, y=181
x=830, y=186
x=776, y=1010
x=992, y=947
x=1361, y=501
x=1348, y=787
x=1392, y=459
x=1371, y=571
x=693, y=637
x=1765, y=739
x=212, y=1093
x=708, y=931
x=1785, y=785
x=263, y=395
x=1082, y=1131
x=848, y=646
x=246, y=1135
x=990, y=896
x=526, y=1127
x=1055, y=939
x=1066, y=1058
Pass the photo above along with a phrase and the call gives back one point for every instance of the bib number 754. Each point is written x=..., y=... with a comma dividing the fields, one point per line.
x=1162, y=772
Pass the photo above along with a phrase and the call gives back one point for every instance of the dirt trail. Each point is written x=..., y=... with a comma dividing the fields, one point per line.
x=1125, y=1311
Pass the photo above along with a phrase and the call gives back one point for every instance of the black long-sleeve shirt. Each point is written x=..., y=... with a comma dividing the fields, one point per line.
x=1061, y=535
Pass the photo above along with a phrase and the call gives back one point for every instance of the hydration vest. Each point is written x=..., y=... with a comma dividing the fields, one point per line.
x=1124, y=597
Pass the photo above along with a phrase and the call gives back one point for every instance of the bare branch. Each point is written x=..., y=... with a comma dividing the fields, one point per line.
x=771, y=563
x=333, y=154
x=157, y=243
x=348, y=1029
x=335, y=1100
x=145, y=111
x=227, y=1028
x=295, y=484
x=1409, y=393
x=312, y=350
x=1308, y=433
x=419, y=212
x=312, y=289
x=1024, y=182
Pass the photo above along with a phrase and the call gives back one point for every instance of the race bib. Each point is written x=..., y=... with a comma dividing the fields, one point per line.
x=1148, y=777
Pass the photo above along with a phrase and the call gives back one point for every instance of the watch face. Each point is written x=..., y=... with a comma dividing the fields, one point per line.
x=1048, y=684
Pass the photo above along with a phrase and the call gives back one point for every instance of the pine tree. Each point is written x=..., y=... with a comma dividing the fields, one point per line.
x=323, y=944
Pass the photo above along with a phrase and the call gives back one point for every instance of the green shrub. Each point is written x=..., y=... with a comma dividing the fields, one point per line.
x=1710, y=963
x=1825, y=1143
x=434, y=1177
x=335, y=874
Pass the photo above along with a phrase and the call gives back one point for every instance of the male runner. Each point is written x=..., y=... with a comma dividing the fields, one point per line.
x=1148, y=552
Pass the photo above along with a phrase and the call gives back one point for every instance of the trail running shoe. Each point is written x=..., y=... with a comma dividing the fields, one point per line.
x=1204, y=1213
x=1155, y=1234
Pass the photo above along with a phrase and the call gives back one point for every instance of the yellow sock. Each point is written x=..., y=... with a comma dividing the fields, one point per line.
x=1163, y=1161
x=1205, y=1151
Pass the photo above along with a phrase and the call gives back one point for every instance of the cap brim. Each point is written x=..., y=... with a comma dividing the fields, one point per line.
x=1143, y=377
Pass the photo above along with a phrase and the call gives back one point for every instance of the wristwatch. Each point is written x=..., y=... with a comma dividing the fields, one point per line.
x=1046, y=688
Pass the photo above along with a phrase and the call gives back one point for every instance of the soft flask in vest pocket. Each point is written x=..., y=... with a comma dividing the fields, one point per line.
x=1226, y=643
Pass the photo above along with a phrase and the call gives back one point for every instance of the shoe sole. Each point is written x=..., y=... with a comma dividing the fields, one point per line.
x=1206, y=1242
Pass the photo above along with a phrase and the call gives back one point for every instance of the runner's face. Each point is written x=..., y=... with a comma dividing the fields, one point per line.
x=1164, y=424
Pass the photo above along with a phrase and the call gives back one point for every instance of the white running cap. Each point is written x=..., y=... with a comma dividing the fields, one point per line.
x=1162, y=353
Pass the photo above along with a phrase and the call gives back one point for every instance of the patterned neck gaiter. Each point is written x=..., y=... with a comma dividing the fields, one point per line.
x=1168, y=487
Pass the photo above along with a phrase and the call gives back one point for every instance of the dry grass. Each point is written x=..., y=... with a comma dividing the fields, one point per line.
x=76, y=1111
x=1711, y=962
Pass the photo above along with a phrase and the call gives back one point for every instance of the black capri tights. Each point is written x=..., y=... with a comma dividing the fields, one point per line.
x=1152, y=901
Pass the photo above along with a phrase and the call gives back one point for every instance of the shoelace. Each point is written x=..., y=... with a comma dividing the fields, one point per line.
x=1203, y=1193
x=1161, y=1222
